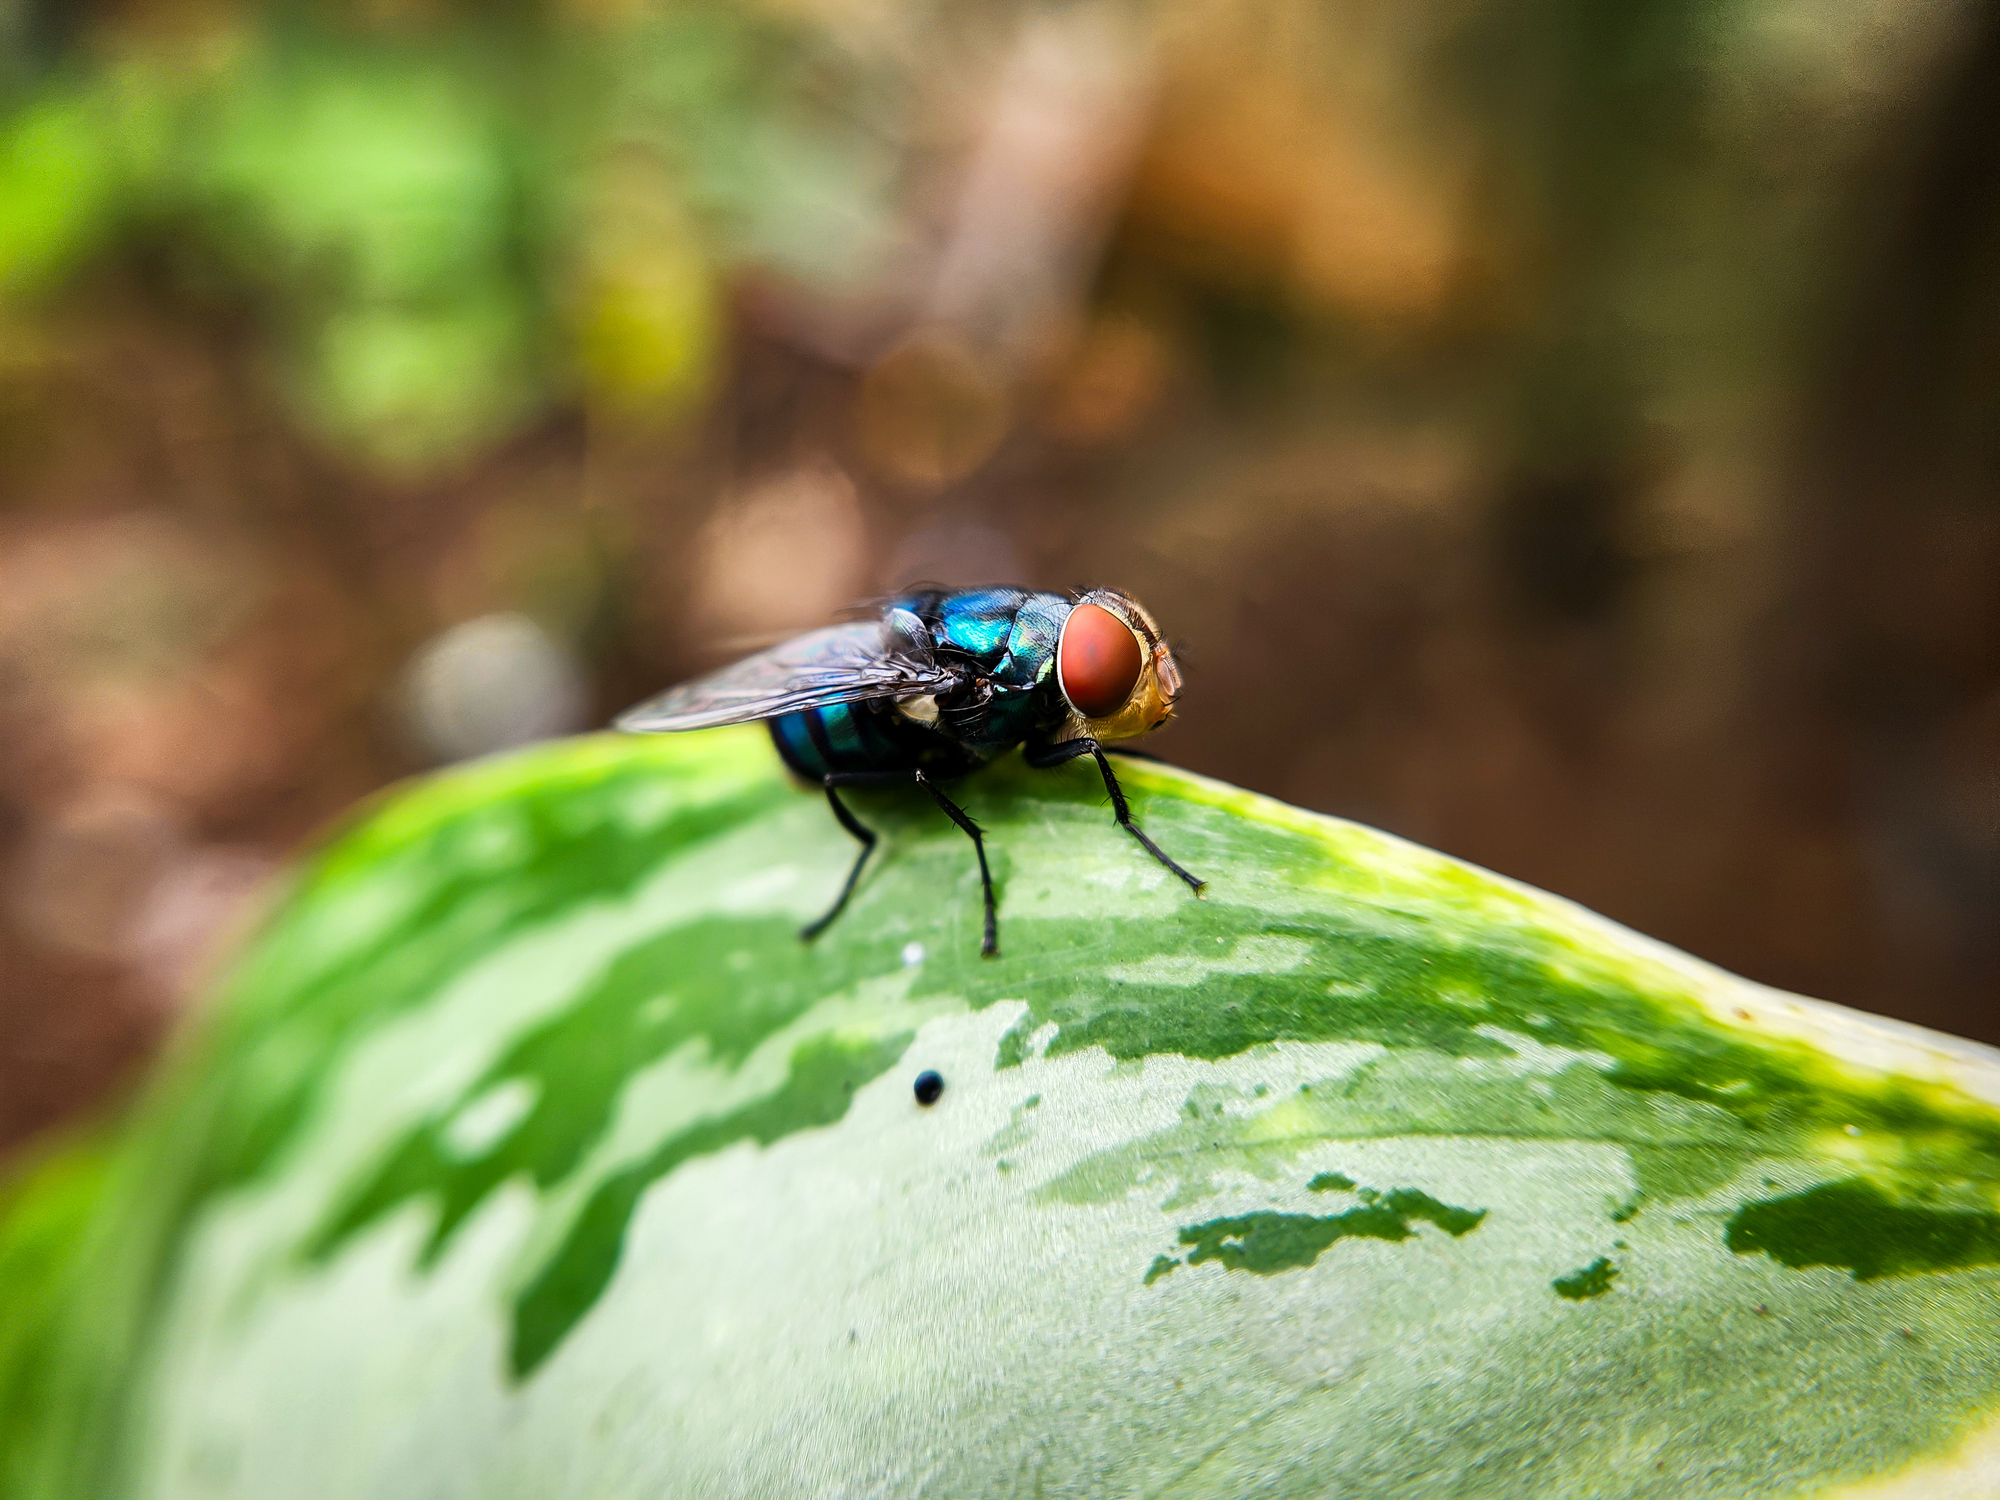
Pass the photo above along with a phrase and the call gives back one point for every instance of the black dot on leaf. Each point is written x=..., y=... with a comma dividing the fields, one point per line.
x=930, y=1087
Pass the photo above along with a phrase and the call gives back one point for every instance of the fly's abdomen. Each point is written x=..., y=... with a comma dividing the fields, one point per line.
x=861, y=737
x=845, y=737
x=835, y=738
x=796, y=745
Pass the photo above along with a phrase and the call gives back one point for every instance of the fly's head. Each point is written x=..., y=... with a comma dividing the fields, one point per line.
x=1114, y=668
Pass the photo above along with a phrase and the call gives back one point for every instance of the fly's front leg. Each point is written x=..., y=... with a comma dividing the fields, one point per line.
x=1044, y=757
x=831, y=783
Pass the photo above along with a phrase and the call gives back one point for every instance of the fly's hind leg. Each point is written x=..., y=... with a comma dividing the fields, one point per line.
x=990, y=945
x=860, y=831
x=1045, y=757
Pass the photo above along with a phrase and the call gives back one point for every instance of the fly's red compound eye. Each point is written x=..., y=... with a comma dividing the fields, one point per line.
x=1098, y=661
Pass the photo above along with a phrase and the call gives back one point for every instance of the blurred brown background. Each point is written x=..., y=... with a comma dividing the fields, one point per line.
x=1565, y=432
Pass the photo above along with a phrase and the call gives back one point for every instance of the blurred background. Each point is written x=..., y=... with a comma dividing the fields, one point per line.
x=1564, y=432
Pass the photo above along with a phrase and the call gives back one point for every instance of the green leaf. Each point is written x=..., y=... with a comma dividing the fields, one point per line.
x=529, y=1151
x=59, y=186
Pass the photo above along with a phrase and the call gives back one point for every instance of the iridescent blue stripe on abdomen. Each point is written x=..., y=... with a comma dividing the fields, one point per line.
x=842, y=724
x=841, y=737
x=795, y=745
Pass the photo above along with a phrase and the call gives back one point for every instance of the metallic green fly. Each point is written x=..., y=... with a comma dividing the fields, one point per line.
x=938, y=686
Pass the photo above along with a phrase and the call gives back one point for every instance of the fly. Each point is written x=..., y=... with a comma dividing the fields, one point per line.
x=940, y=685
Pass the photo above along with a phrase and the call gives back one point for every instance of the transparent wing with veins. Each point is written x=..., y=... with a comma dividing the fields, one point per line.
x=887, y=658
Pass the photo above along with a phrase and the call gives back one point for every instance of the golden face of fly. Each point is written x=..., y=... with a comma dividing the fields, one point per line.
x=1115, y=670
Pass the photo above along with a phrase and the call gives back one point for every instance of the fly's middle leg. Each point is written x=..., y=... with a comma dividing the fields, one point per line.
x=990, y=943
x=1046, y=757
x=833, y=781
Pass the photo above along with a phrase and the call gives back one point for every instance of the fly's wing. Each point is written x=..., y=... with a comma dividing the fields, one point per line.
x=887, y=658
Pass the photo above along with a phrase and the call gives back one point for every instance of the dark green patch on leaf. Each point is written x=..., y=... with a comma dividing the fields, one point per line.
x=1269, y=1242
x=1594, y=1280
x=825, y=1073
x=1330, y=1182
x=655, y=998
x=1362, y=974
x=465, y=885
x=1855, y=1225
x=1161, y=1265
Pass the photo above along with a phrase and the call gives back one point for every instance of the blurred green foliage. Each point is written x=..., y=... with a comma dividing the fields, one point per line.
x=442, y=233
x=45, y=1209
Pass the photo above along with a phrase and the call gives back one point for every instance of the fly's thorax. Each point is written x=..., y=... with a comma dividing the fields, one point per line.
x=1115, y=671
x=1030, y=657
x=971, y=711
x=977, y=624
